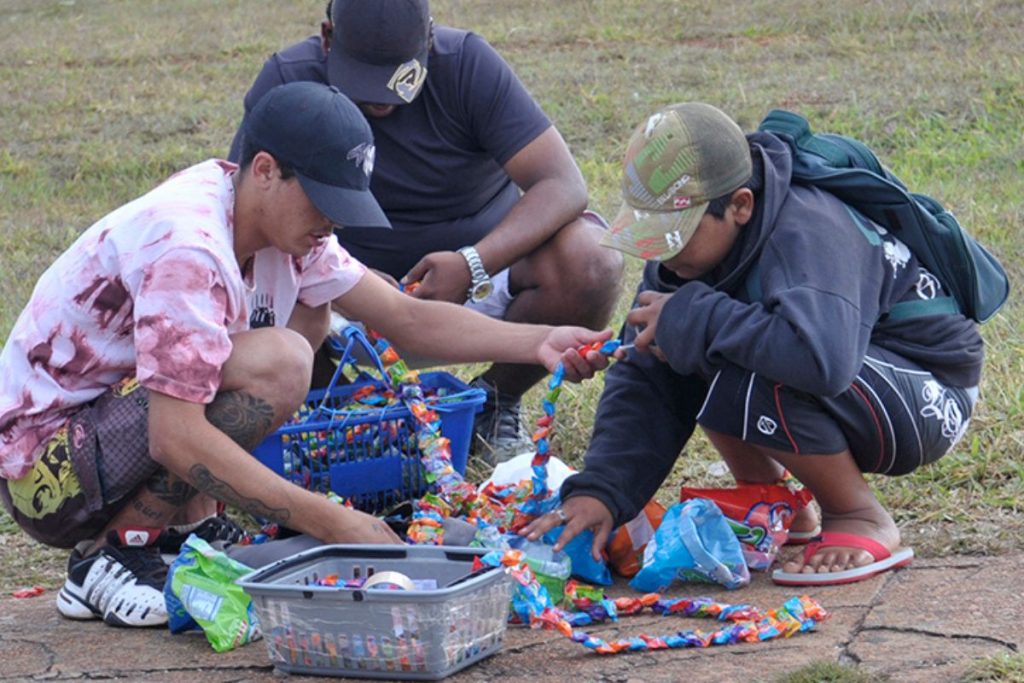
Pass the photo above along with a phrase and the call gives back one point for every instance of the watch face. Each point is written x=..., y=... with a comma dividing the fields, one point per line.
x=481, y=291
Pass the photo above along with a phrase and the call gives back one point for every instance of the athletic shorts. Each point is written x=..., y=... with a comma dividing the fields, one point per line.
x=894, y=418
x=497, y=302
x=87, y=470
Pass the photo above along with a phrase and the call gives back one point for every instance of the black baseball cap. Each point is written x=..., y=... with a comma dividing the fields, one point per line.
x=320, y=133
x=379, y=49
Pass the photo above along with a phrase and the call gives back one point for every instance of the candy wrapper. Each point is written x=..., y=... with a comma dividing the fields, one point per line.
x=201, y=592
x=551, y=568
x=759, y=514
x=626, y=547
x=693, y=543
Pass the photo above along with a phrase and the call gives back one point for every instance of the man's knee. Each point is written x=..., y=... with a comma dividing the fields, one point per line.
x=272, y=362
x=574, y=263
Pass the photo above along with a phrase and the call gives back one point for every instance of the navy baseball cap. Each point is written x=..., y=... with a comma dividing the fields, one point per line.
x=379, y=49
x=322, y=135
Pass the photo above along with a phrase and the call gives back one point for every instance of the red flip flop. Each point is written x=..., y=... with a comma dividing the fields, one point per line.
x=802, y=537
x=884, y=561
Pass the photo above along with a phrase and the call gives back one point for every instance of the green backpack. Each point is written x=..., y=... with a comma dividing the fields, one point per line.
x=848, y=169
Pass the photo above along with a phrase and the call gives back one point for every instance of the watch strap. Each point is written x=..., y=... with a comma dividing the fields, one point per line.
x=476, y=266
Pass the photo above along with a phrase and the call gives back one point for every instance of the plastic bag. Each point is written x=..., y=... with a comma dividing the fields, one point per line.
x=759, y=514
x=626, y=547
x=584, y=566
x=520, y=468
x=551, y=568
x=201, y=593
x=693, y=543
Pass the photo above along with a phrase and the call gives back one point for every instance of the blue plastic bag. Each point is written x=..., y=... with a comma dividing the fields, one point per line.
x=584, y=566
x=693, y=543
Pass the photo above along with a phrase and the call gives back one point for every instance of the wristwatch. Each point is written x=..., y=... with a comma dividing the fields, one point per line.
x=481, y=286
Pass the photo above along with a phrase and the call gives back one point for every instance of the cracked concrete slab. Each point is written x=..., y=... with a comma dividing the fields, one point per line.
x=926, y=623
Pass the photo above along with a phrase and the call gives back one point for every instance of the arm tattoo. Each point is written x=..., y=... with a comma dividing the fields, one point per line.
x=243, y=417
x=205, y=481
x=169, y=488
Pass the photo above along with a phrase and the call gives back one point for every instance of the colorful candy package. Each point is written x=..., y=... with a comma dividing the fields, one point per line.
x=626, y=547
x=694, y=543
x=759, y=514
x=201, y=592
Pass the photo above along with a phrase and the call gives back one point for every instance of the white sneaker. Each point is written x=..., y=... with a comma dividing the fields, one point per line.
x=122, y=582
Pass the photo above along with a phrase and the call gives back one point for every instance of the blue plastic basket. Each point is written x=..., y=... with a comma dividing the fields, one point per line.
x=369, y=456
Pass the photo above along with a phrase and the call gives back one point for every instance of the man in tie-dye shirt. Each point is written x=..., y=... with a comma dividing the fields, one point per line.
x=135, y=376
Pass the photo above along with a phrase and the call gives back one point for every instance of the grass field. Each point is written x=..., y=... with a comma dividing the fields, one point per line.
x=103, y=98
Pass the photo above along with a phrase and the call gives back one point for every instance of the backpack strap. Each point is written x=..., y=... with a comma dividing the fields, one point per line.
x=781, y=122
x=941, y=305
x=753, y=283
x=838, y=151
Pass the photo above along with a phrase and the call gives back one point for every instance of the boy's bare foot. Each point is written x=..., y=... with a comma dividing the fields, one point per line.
x=879, y=527
x=805, y=521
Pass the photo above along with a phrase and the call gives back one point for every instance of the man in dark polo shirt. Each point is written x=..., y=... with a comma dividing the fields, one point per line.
x=486, y=202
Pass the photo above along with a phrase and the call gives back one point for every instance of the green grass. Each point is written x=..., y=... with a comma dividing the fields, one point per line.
x=1008, y=668
x=103, y=99
x=830, y=672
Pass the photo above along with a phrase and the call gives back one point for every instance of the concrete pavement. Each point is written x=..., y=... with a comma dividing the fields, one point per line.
x=925, y=623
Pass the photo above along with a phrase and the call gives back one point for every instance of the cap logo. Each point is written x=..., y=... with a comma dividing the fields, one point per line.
x=363, y=155
x=407, y=79
x=674, y=240
x=672, y=189
x=681, y=203
x=652, y=123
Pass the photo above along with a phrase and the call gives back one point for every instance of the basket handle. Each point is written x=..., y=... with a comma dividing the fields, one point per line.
x=352, y=335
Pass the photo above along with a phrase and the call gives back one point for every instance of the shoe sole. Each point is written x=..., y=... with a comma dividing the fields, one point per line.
x=111, y=619
x=71, y=606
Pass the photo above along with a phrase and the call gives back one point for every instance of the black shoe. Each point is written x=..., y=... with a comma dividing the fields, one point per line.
x=121, y=583
x=498, y=428
x=220, y=531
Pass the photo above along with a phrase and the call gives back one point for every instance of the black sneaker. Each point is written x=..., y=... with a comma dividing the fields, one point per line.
x=499, y=430
x=220, y=531
x=121, y=583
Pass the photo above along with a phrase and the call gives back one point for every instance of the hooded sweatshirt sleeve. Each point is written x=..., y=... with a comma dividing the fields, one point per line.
x=645, y=416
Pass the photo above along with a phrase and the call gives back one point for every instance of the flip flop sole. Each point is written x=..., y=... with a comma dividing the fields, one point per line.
x=899, y=558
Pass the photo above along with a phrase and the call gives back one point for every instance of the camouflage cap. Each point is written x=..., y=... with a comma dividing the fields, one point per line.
x=676, y=162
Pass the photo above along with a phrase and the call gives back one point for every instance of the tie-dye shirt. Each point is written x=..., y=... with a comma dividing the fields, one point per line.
x=154, y=290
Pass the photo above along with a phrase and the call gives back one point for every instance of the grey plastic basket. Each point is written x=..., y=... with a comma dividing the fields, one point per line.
x=380, y=633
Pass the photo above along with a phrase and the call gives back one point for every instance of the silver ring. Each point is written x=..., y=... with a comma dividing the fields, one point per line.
x=560, y=513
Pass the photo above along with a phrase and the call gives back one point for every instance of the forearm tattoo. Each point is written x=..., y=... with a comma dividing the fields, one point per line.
x=243, y=417
x=169, y=489
x=204, y=480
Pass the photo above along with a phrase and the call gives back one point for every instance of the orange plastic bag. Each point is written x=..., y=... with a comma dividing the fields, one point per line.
x=626, y=547
x=759, y=514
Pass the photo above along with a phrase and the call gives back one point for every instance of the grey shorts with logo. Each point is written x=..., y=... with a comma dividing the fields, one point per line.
x=894, y=418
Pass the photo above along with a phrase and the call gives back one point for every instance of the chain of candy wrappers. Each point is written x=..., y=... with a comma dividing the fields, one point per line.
x=532, y=605
x=496, y=508
x=535, y=505
x=452, y=494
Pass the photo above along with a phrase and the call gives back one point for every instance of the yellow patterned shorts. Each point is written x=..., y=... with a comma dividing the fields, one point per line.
x=87, y=470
